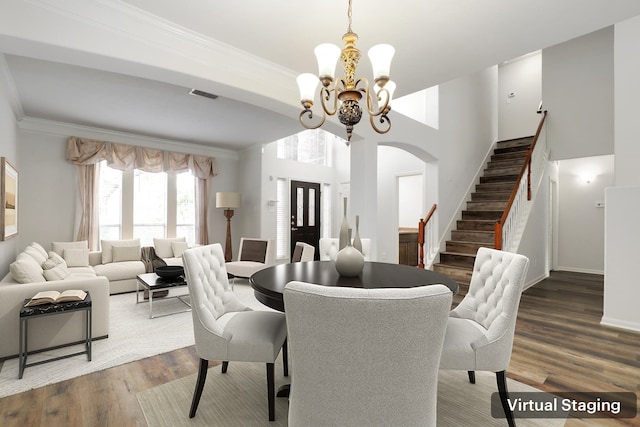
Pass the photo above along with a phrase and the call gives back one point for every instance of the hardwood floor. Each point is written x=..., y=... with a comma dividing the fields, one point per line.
x=559, y=346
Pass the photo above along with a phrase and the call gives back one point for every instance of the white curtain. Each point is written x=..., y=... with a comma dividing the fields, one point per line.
x=87, y=153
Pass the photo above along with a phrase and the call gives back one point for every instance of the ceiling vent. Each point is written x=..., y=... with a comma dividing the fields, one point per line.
x=202, y=93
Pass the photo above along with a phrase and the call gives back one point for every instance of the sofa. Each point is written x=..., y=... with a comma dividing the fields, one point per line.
x=120, y=260
x=70, y=265
x=27, y=278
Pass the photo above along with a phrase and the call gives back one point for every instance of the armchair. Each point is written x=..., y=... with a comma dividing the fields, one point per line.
x=480, y=329
x=253, y=256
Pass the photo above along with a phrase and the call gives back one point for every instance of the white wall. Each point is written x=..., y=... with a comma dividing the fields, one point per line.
x=8, y=144
x=580, y=222
x=392, y=163
x=519, y=94
x=577, y=90
x=622, y=229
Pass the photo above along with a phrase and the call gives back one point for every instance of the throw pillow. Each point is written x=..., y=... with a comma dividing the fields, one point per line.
x=59, y=247
x=58, y=272
x=35, y=254
x=125, y=253
x=178, y=248
x=39, y=248
x=107, y=245
x=76, y=257
x=163, y=246
x=26, y=270
x=57, y=259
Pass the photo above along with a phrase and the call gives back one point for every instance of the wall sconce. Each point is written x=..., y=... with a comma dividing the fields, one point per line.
x=587, y=177
x=228, y=201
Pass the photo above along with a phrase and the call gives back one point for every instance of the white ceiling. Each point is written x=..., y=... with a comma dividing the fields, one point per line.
x=435, y=41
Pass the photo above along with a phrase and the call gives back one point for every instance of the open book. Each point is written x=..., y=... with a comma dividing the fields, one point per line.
x=47, y=297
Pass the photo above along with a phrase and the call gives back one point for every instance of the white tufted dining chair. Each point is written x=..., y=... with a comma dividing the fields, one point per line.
x=356, y=332
x=303, y=252
x=224, y=328
x=480, y=329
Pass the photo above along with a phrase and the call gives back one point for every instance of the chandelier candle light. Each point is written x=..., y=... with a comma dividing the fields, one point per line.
x=345, y=95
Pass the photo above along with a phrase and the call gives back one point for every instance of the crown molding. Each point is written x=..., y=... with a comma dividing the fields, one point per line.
x=12, y=90
x=61, y=129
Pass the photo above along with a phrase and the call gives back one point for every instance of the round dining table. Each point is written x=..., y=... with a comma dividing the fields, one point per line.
x=268, y=284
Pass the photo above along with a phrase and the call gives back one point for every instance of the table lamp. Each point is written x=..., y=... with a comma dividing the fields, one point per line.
x=228, y=201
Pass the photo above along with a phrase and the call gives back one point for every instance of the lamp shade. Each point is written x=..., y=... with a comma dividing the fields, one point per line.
x=327, y=55
x=380, y=56
x=307, y=83
x=227, y=200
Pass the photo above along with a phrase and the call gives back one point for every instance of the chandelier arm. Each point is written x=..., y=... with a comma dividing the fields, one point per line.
x=325, y=97
x=383, y=119
x=383, y=109
x=308, y=113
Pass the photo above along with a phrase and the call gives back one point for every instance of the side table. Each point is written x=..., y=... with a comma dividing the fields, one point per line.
x=27, y=313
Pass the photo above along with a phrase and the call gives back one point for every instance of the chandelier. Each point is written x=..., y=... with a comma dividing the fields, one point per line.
x=344, y=96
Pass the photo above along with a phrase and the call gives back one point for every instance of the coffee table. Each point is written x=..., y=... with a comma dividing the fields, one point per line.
x=154, y=283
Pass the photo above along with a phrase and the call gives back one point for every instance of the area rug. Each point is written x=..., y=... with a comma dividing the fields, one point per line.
x=132, y=336
x=239, y=398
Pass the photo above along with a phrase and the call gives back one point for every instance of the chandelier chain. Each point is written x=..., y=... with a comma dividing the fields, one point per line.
x=349, y=16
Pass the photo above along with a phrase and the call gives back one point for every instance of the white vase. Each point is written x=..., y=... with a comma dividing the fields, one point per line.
x=357, y=243
x=343, y=237
x=349, y=261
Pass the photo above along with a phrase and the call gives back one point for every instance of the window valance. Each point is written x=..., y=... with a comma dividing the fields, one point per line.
x=83, y=151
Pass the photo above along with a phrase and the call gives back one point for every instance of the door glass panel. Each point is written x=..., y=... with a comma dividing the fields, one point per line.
x=300, y=206
x=312, y=207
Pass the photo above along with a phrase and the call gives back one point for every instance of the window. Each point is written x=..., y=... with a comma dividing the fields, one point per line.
x=136, y=204
x=149, y=206
x=110, y=202
x=309, y=146
x=186, y=206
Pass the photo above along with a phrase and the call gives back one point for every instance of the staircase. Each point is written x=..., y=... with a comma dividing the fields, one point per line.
x=477, y=226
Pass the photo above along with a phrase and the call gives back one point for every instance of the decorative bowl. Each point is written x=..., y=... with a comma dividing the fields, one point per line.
x=170, y=271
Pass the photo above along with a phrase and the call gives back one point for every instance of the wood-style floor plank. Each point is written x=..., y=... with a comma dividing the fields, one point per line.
x=559, y=346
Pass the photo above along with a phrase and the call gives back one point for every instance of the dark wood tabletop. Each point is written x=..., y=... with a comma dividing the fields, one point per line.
x=269, y=283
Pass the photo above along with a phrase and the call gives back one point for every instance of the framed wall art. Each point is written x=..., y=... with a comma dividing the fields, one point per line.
x=8, y=200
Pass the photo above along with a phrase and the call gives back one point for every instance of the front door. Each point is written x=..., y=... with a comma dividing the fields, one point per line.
x=305, y=214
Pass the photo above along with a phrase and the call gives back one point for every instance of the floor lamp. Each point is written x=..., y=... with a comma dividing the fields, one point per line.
x=228, y=201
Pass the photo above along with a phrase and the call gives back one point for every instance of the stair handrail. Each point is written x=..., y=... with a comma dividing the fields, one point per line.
x=422, y=227
x=509, y=215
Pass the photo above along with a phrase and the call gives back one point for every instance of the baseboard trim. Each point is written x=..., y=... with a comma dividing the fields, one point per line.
x=580, y=270
x=535, y=281
x=620, y=324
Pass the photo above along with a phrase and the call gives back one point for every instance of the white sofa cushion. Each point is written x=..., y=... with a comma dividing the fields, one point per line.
x=59, y=247
x=59, y=272
x=120, y=270
x=25, y=269
x=178, y=248
x=107, y=245
x=76, y=257
x=125, y=253
x=34, y=253
x=163, y=246
x=53, y=260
